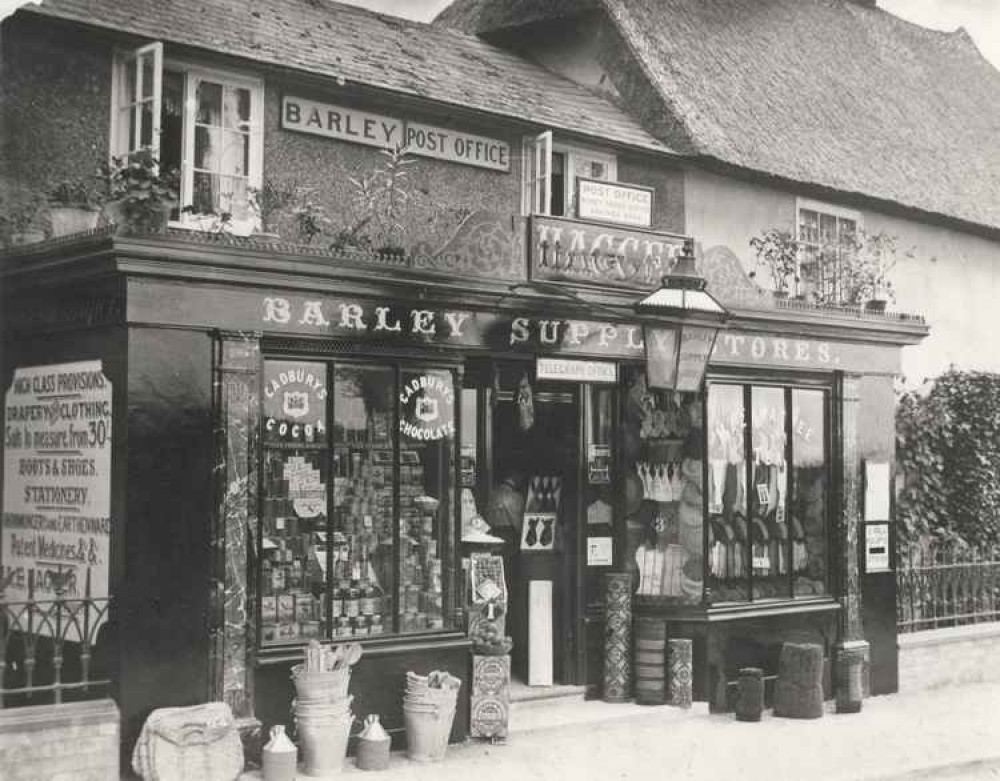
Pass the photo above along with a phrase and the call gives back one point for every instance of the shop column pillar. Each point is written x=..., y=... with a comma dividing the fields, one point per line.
x=233, y=632
x=852, y=651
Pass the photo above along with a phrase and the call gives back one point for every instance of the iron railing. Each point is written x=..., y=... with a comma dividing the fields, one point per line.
x=53, y=649
x=936, y=590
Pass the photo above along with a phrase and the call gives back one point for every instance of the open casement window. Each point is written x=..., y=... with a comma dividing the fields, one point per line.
x=204, y=123
x=551, y=171
x=538, y=176
x=138, y=100
x=827, y=239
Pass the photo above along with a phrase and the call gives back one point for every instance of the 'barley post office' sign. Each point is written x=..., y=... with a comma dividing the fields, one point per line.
x=384, y=132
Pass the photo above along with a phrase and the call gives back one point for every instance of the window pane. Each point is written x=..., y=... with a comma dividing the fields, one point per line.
x=472, y=500
x=235, y=154
x=809, y=226
x=130, y=85
x=172, y=121
x=209, y=103
x=147, y=62
x=146, y=126
x=207, y=148
x=664, y=457
x=236, y=110
x=363, y=483
x=293, y=545
x=205, y=198
x=294, y=507
x=808, y=526
x=727, y=495
x=768, y=496
x=426, y=495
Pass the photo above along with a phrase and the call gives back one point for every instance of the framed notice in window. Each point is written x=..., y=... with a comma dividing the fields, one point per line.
x=622, y=204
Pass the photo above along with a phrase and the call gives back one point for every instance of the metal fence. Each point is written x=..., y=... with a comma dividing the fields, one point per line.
x=53, y=650
x=941, y=589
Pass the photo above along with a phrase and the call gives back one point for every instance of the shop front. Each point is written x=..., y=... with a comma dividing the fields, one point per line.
x=323, y=450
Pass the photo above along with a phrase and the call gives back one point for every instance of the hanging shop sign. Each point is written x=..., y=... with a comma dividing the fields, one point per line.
x=385, y=132
x=574, y=251
x=569, y=370
x=427, y=407
x=56, y=528
x=623, y=204
x=294, y=402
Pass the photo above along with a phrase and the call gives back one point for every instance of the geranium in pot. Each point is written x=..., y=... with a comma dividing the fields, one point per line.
x=778, y=252
x=74, y=207
x=140, y=195
x=877, y=255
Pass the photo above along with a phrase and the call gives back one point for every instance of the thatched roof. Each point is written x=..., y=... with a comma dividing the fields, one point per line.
x=478, y=16
x=349, y=43
x=835, y=93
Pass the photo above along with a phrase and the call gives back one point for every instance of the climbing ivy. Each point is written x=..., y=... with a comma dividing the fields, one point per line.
x=948, y=448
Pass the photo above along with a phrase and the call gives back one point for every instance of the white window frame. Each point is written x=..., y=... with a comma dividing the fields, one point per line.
x=537, y=191
x=123, y=59
x=822, y=209
x=192, y=72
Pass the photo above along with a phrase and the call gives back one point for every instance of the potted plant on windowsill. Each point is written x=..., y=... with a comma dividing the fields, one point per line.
x=22, y=219
x=140, y=196
x=74, y=207
x=778, y=252
x=877, y=255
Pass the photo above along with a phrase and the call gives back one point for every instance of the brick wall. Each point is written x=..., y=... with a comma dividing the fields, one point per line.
x=942, y=657
x=73, y=742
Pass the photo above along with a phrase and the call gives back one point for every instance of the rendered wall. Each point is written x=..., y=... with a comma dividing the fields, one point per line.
x=953, y=280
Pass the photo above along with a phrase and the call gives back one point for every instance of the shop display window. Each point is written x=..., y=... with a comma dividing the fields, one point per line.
x=664, y=470
x=358, y=499
x=767, y=495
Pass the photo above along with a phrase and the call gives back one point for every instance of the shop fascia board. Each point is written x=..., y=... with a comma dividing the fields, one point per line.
x=72, y=261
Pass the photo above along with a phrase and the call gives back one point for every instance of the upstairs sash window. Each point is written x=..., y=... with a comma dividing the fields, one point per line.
x=204, y=123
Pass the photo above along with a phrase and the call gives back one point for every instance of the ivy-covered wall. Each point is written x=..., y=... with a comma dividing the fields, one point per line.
x=55, y=98
x=438, y=195
x=948, y=450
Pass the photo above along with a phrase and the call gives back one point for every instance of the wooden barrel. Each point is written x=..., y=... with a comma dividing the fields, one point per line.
x=650, y=657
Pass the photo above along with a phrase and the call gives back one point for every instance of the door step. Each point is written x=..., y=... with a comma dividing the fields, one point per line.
x=541, y=707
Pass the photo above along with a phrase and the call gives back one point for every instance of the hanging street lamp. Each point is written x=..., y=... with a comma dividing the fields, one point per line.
x=688, y=319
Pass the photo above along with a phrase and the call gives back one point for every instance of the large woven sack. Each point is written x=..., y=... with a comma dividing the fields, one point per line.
x=199, y=743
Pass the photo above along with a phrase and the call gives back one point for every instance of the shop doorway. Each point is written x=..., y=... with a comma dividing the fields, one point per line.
x=537, y=446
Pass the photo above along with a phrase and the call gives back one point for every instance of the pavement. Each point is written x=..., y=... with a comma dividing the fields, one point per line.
x=948, y=733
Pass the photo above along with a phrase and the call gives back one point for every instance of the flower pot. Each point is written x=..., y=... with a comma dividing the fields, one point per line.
x=67, y=220
x=876, y=305
x=781, y=295
x=20, y=238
